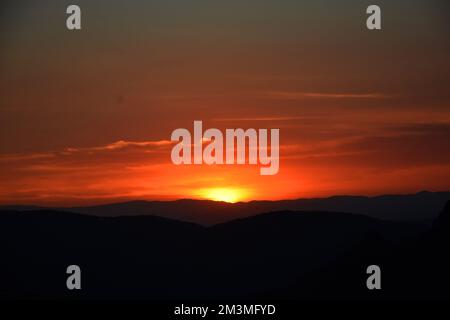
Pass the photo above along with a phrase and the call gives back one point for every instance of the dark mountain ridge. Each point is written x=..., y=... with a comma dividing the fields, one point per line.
x=153, y=257
x=423, y=206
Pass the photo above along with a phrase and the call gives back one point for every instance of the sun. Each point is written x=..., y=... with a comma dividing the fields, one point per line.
x=230, y=195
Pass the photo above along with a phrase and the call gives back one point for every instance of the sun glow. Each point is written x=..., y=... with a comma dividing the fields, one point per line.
x=231, y=195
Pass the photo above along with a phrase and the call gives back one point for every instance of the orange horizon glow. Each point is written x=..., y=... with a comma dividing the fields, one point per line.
x=125, y=171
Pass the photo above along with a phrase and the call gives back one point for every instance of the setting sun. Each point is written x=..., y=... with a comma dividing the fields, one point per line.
x=231, y=195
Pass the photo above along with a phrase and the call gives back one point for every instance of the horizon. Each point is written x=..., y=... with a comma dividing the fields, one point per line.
x=124, y=201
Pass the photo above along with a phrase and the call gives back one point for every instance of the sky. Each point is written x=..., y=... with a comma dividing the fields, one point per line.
x=86, y=116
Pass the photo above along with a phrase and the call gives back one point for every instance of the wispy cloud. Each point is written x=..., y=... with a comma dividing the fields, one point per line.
x=293, y=95
x=121, y=144
x=147, y=146
x=12, y=157
x=269, y=118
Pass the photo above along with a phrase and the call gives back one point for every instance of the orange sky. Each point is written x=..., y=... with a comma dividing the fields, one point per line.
x=86, y=117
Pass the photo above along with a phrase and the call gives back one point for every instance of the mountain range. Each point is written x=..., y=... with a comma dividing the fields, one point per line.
x=133, y=251
x=276, y=255
x=423, y=206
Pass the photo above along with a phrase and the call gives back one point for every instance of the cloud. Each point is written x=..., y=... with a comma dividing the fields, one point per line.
x=121, y=144
x=23, y=157
x=116, y=170
x=292, y=95
x=268, y=118
x=79, y=157
x=406, y=146
x=442, y=129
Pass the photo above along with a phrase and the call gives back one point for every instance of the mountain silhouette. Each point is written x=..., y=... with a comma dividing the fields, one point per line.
x=415, y=269
x=423, y=206
x=283, y=255
x=442, y=224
